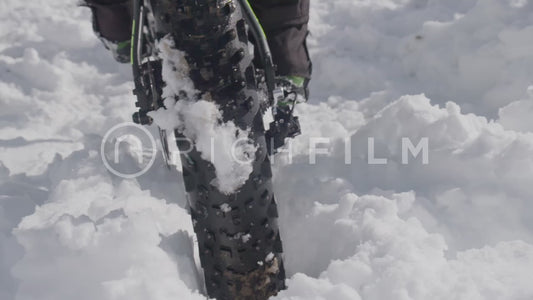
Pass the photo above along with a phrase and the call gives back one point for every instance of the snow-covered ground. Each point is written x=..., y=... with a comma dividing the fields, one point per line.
x=457, y=72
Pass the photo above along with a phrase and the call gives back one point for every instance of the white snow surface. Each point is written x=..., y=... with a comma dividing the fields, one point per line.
x=457, y=72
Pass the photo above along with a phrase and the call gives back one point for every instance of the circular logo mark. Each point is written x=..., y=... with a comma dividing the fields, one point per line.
x=128, y=150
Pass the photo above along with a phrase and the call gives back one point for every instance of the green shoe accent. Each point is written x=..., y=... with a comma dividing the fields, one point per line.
x=123, y=51
x=283, y=103
x=294, y=90
x=120, y=50
x=125, y=44
x=298, y=81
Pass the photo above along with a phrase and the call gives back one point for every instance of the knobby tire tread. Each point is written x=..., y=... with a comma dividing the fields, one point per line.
x=234, y=246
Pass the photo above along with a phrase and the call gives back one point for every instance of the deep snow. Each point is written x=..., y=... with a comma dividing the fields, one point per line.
x=459, y=227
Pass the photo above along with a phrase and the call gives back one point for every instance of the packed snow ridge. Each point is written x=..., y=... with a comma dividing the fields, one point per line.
x=458, y=227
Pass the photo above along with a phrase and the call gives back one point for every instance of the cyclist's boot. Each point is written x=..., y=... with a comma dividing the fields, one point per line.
x=290, y=91
x=112, y=21
x=295, y=89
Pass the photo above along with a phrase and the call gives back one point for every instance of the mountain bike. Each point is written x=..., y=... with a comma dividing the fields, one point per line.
x=229, y=61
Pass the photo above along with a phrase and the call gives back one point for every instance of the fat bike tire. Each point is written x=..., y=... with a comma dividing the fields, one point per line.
x=240, y=248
